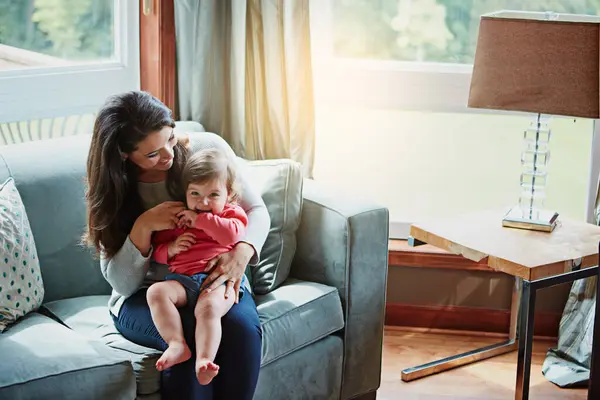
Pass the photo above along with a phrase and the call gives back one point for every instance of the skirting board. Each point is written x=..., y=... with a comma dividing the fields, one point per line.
x=465, y=319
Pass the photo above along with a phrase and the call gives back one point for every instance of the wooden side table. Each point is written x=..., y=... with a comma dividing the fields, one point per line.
x=537, y=260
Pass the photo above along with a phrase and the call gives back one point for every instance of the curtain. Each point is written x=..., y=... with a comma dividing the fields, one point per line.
x=244, y=71
x=568, y=365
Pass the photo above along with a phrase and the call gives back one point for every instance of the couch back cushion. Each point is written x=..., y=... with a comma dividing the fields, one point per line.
x=49, y=176
x=279, y=182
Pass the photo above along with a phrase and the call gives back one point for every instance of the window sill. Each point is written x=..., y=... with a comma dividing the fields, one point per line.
x=427, y=256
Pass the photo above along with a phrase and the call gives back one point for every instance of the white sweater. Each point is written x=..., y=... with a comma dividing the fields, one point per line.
x=129, y=270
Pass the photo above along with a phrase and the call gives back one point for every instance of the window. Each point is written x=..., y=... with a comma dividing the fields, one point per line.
x=440, y=31
x=60, y=57
x=391, y=86
x=43, y=33
x=425, y=165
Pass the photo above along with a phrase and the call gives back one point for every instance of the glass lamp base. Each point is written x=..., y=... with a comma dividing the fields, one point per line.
x=536, y=220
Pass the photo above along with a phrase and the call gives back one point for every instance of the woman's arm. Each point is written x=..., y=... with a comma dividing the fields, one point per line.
x=251, y=202
x=141, y=238
x=125, y=271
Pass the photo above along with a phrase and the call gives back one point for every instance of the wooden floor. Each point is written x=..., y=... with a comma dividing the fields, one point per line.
x=490, y=379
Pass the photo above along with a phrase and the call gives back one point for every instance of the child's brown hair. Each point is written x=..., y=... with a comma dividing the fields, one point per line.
x=208, y=164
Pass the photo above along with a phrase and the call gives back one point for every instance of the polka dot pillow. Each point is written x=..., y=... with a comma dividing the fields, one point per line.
x=21, y=286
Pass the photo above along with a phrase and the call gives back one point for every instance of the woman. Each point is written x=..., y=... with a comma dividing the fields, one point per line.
x=134, y=169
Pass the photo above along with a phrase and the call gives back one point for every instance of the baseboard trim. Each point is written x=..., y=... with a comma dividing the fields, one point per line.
x=459, y=318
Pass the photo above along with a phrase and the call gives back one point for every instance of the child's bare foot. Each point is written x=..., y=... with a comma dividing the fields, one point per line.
x=176, y=353
x=206, y=370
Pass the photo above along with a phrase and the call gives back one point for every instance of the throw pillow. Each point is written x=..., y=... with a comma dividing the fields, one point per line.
x=280, y=184
x=21, y=286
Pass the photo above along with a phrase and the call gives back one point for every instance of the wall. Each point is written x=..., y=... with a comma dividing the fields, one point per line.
x=435, y=287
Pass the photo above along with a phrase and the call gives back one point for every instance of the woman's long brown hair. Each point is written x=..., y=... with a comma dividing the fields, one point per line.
x=113, y=202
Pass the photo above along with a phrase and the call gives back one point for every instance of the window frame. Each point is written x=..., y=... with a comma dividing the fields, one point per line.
x=158, y=59
x=409, y=86
x=48, y=92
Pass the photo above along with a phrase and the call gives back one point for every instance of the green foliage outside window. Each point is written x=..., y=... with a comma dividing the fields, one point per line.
x=426, y=30
x=78, y=30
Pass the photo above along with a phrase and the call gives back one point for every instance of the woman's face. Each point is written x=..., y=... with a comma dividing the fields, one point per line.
x=155, y=152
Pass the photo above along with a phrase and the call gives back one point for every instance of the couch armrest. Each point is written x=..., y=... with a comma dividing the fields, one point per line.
x=189, y=126
x=344, y=243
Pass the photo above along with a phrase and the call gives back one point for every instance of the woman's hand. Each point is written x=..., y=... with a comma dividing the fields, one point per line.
x=229, y=267
x=163, y=216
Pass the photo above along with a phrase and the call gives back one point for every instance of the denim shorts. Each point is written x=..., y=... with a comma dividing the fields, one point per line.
x=192, y=283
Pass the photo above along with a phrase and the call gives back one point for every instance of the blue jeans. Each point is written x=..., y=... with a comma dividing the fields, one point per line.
x=239, y=354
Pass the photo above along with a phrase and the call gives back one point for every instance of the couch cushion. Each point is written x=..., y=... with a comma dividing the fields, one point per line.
x=89, y=316
x=42, y=359
x=280, y=184
x=295, y=315
x=53, y=191
x=21, y=284
x=188, y=126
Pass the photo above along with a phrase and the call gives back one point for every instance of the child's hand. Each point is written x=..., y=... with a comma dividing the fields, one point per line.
x=182, y=243
x=187, y=218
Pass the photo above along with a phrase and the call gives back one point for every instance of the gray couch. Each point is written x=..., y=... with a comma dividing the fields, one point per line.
x=323, y=327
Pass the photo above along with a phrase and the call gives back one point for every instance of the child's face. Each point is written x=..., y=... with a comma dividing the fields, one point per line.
x=208, y=196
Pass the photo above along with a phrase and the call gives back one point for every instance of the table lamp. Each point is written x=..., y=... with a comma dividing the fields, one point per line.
x=543, y=63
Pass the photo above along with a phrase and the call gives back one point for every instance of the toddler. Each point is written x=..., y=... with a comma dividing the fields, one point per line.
x=211, y=225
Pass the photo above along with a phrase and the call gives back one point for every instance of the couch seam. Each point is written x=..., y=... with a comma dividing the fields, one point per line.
x=287, y=184
x=45, y=311
x=342, y=214
x=9, y=179
x=267, y=163
x=303, y=345
x=382, y=309
x=302, y=305
x=347, y=295
x=125, y=362
x=6, y=165
x=363, y=393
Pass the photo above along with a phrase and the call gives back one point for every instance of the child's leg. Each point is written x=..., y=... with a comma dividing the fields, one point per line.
x=210, y=308
x=163, y=300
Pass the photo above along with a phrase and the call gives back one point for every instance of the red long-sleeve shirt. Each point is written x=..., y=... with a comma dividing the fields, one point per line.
x=215, y=234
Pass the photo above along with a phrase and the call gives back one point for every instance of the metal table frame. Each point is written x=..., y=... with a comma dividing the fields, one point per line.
x=520, y=335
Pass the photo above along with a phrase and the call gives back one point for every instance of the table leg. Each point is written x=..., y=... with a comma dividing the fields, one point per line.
x=594, y=383
x=515, y=306
x=525, y=338
x=470, y=357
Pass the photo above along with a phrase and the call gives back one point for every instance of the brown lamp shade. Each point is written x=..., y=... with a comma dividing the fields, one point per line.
x=526, y=62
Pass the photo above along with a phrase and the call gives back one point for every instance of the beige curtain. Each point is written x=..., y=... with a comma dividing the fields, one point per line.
x=244, y=72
